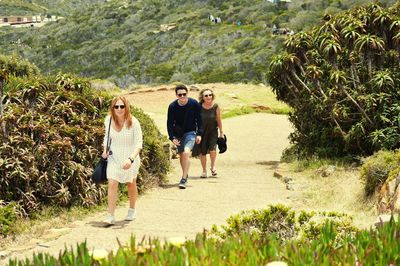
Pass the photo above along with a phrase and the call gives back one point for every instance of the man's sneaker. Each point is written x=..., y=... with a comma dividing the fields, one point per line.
x=109, y=219
x=131, y=215
x=183, y=183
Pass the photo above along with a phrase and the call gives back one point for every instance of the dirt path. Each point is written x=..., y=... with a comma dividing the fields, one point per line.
x=245, y=181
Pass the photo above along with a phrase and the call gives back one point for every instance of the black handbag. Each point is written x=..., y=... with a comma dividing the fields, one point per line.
x=99, y=175
x=222, y=144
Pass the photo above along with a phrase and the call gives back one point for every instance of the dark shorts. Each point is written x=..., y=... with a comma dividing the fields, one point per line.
x=187, y=141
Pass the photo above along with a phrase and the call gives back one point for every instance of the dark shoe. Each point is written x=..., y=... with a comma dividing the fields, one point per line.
x=213, y=172
x=183, y=183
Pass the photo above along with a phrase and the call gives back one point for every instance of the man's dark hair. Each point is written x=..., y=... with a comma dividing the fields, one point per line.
x=180, y=87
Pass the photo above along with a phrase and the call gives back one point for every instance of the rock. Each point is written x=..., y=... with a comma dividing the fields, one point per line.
x=395, y=202
x=168, y=150
x=232, y=95
x=289, y=187
x=194, y=88
x=329, y=171
x=162, y=89
x=4, y=254
x=278, y=175
x=397, y=180
x=287, y=179
x=43, y=245
x=174, y=152
x=260, y=107
x=325, y=171
x=392, y=187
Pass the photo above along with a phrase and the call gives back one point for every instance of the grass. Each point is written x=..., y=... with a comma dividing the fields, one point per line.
x=367, y=247
x=331, y=185
x=341, y=191
x=233, y=99
x=238, y=111
x=243, y=97
x=313, y=163
x=53, y=217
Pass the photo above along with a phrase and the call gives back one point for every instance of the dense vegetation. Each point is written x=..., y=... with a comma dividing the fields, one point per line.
x=326, y=245
x=43, y=7
x=51, y=137
x=122, y=40
x=342, y=81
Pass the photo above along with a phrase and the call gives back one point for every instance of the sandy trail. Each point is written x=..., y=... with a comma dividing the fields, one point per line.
x=245, y=181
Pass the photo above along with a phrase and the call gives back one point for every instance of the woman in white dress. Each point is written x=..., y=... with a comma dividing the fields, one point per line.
x=123, y=158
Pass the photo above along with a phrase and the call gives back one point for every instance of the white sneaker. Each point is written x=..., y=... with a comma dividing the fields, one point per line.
x=131, y=215
x=109, y=219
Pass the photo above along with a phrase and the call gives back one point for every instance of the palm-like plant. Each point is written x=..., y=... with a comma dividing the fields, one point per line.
x=369, y=44
x=299, y=44
x=290, y=64
x=383, y=80
x=331, y=49
x=350, y=83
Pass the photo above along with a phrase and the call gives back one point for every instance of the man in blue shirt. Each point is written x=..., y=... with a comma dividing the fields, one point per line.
x=184, y=127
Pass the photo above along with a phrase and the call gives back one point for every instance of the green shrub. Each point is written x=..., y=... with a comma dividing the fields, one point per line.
x=11, y=65
x=376, y=169
x=161, y=73
x=342, y=83
x=52, y=137
x=8, y=217
x=379, y=246
x=283, y=223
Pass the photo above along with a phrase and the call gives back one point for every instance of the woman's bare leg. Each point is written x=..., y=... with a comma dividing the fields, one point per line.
x=132, y=193
x=213, y=157
x=112, y=195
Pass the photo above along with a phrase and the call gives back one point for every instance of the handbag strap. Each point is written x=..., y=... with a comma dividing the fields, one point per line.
x=108, y=136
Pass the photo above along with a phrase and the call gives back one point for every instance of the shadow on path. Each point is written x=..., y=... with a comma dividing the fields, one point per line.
x=117, y=225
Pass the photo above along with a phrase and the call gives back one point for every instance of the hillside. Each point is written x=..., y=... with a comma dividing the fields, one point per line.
x=52, y=7
x=152, y=41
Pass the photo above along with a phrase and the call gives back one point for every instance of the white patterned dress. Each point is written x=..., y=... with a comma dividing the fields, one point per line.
x=123, y=144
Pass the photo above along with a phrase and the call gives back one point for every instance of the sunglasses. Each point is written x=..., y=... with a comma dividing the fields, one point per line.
x=208, y=95
x=119, y=106
x=181, y=94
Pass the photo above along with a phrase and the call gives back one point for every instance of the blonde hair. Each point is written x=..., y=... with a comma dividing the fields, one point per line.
x=128, y=116
x=201, y=95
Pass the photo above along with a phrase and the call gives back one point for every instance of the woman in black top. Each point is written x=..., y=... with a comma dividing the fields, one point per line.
x=211, y=120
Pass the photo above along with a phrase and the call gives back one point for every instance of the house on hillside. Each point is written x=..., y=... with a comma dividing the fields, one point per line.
x=12, y=20
x=27, y=21
x=167, y=27
x=281, y=3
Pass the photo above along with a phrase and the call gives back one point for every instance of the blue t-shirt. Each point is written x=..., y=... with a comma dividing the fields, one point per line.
x=187, y=116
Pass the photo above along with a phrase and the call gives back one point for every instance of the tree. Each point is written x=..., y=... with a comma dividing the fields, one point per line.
x=341, y=80
x=369, y=44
